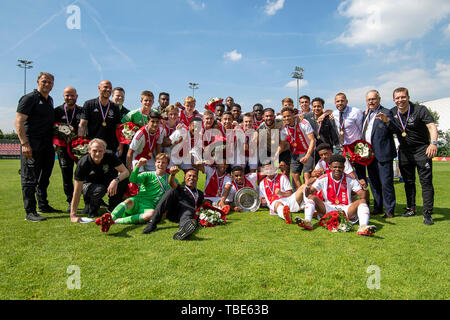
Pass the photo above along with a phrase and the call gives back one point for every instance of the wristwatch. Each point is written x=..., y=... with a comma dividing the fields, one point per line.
x=117, y=179
x=434, y=143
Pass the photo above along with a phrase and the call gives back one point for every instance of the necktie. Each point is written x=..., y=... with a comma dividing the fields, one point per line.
x=341, y=127
x=366, y=124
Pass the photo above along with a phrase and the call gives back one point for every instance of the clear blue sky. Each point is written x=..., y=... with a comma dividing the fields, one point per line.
x=245, y=49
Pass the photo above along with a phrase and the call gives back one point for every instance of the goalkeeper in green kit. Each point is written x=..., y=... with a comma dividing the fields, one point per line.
x=139, y=208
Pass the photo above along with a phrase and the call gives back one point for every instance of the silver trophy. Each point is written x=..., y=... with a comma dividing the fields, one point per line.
x=247, y=199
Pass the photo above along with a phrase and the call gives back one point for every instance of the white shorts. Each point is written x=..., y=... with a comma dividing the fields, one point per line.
x=288, y=201
x=333, y=207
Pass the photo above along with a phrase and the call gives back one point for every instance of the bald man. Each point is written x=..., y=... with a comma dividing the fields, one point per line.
x=68, y=113
x=101, y=117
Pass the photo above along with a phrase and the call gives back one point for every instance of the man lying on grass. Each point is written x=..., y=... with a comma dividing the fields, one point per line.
x=140, y=208
x=179, y=204
x=337, y=187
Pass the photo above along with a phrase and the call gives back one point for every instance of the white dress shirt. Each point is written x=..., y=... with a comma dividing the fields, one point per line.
x=353, y=119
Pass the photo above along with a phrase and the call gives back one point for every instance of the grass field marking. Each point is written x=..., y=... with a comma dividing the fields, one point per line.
x=74, y=280
x=374, y=281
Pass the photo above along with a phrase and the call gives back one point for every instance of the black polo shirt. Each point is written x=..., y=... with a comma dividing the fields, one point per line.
x=102, y=173
x=73, y=116
x=417, y=137
x=123, y=111
x=93, y=114
x=40, y=112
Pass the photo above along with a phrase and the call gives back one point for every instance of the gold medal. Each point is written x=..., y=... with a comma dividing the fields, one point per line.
x=337, y=201
x=104, y=123
x=295, y=144
x=342, y=132
x=318, y=137
x=403, y=134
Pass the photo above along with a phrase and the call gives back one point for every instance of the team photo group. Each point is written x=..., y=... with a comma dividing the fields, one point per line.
x=334, y=166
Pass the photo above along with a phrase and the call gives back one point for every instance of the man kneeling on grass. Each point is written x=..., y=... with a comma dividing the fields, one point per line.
x=337, y=188
x=97, y=173
x=140, y=208
x=179, y=204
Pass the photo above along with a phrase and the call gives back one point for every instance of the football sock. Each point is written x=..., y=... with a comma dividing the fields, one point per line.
x=310, y=207
x=134, y=219
x=119, y=211
x=363, y=214
x=280, y=211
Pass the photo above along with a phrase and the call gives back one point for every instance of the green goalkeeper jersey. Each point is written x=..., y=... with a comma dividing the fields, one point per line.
x=152, y=186
x=136, y=117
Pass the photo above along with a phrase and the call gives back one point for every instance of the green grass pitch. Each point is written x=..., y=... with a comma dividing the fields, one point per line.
x=255, y=256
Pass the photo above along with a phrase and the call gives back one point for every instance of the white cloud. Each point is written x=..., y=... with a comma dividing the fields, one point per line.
x=423, y=84
x=196, y=6
x=394, y=56
x=293, y=84
x=272, y=7
x=266, y=101
x=233, y=55
x=446, y=31
x=386, y=22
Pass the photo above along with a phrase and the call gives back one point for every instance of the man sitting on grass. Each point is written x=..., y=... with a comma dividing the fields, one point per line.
x=239, y=181
x=179, y=204
x=277, y=191
x=337, y=188
x=140, y=208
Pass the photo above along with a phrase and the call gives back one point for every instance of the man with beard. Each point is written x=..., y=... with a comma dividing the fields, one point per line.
x=68, y=113
x=101, y=118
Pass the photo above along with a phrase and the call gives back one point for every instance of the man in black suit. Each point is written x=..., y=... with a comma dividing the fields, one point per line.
x=380, y=170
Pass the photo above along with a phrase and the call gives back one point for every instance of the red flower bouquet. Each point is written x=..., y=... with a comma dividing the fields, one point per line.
x=336, y=221
x=78, y=148
x=211, y=104
x=359, y=152
x=126, y=131
x=210, y=216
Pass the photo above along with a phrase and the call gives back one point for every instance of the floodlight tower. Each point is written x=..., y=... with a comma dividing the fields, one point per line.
x=25, y=64
x=193, y=86
x=298, y=74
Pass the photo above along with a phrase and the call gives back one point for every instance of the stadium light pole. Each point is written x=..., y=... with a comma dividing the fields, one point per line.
x=193, y=86
x=298, y=75
x=25, y=64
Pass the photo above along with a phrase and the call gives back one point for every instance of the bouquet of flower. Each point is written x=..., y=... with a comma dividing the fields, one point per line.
x=211, y=104
x=62, y=134
x=359, y=152
x=336, y=221
x=78, y=148
x=210, y=216
x=125, y=132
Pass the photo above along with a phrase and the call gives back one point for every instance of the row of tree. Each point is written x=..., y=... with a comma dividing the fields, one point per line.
x=8, y=136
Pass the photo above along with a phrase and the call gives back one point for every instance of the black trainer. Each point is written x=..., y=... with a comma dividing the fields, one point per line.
x=427, y=218
x=186, y=230
x=35, y=217
x=149, y=228
x=49, y=209
x=409, y=212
